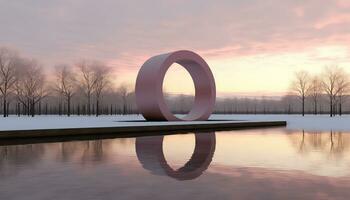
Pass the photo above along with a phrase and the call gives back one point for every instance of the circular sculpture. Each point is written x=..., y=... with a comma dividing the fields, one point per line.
x=149, y=87
x=149, y=151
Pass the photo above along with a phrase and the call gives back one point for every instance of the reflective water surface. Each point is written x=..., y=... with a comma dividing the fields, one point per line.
x=242, y=164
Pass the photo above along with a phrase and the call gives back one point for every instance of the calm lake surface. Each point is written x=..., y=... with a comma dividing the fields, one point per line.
x=243, y=164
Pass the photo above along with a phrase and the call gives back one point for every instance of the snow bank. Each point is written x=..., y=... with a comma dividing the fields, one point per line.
x=298, y=122
x=295, y=122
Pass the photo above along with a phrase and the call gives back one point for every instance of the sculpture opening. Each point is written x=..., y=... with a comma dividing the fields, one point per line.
x=178, y=90
x=149, y=87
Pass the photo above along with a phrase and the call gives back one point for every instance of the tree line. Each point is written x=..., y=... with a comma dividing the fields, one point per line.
x=86, y=88
x=26, y=89
x=333, y=84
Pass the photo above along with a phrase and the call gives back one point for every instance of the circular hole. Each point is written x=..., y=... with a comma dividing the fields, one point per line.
x=178, y=89
x=178, y=149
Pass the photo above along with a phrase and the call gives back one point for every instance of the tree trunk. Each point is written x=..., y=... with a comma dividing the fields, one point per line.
x=5, y=103
x=303, y=106
x=289, y=109
x=68, y=106
x=39, y=108
x=24, y=109
x=27, y=107
x=315, y=109
x=7, y=109
x=331, y=107
x=97, y=106
x=84, y=109
x=89, y=104
x=33, y=107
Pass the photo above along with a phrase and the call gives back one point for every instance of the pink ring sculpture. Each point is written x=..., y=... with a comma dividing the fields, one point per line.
x=149, y=87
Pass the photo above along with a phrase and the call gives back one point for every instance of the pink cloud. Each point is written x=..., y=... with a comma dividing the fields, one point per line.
x=343, y=3
x=299, y=11
x=334, y=19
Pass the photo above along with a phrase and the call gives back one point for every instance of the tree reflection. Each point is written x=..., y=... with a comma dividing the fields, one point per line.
x=150, y=153
x=91, y=152
x=85, y=152
x=332, y=143
x=19, y=155
x=339, y=143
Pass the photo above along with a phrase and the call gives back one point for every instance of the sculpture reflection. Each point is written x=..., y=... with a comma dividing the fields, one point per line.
x=150, y=153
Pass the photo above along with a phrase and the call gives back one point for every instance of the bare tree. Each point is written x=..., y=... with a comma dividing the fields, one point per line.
x=87, y=80
x=330, y=85
x=65, y=84
x=102, y=79
x=301, y=85
x=8, y=70
x=30, y=86
x=315, y=92
x=343, y=86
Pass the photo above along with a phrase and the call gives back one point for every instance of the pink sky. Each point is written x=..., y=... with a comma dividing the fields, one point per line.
x=253, y=47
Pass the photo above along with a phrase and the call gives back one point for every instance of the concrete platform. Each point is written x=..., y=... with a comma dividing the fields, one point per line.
x=138, y=129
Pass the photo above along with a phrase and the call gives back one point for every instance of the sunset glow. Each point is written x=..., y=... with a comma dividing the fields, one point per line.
x=256, y=74
x=249, y=55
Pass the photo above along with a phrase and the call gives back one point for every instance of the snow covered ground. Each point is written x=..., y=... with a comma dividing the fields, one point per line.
x=55, y=122
x=295, y=122
x=298, y=122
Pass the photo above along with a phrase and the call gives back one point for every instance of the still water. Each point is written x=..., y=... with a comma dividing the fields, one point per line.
x=243, y=164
